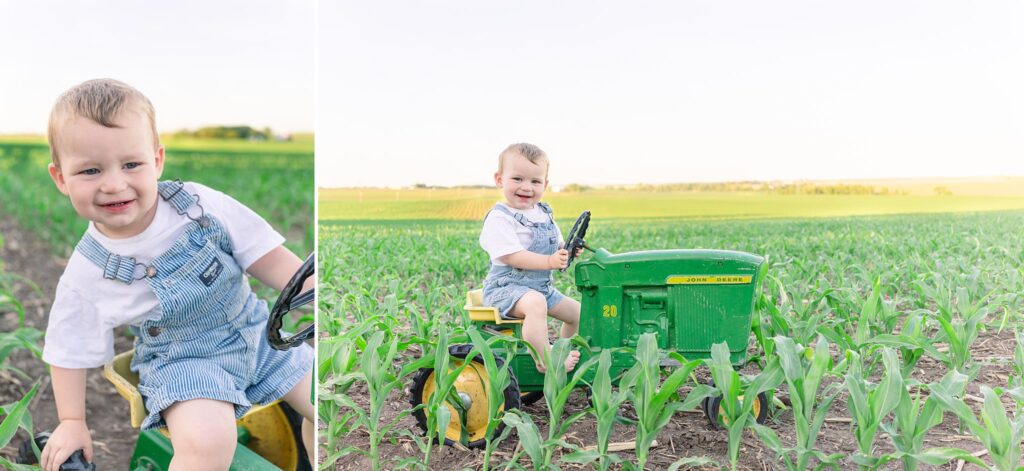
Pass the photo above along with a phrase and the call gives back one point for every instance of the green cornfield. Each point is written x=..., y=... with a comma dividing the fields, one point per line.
x=883, y=342
x=274, y=179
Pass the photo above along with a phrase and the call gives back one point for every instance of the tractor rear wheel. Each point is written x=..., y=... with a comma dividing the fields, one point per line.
x=528, y=398
x=277, y=436
x=471, y=388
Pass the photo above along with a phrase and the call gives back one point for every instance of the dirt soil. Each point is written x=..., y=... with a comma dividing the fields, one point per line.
x=107, y=413
x=690, y=434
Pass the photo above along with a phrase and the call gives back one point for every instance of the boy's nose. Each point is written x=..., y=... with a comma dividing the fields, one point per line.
x=113, y=183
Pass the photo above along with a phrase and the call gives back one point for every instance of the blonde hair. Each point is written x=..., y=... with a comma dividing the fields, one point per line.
x=529, y=151
x=101, y=101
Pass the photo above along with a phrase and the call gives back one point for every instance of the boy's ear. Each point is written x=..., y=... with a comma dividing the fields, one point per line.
x=58, y=178
x=497, y=179
x=159, y=162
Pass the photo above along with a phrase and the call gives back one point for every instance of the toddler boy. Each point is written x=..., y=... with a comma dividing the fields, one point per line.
x=168, y=259
x=524, y=245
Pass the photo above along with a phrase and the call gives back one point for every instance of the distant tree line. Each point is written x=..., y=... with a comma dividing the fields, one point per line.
x=803, y=188
x=231, y=132
x=799, y=188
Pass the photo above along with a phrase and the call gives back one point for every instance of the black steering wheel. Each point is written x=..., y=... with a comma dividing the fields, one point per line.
x=574, y=241
x=290, y=299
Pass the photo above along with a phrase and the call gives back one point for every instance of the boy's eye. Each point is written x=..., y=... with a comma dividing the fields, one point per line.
x=90, y=171
x=131, y=165
x=517, y=179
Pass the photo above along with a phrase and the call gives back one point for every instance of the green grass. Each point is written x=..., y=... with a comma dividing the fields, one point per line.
x=473, y=204
x=274, y=180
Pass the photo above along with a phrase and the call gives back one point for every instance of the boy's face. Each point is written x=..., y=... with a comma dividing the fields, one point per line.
x=521, y=181
x=110, y=174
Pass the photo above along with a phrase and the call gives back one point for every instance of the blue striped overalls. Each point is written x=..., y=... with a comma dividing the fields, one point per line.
x=505, y=284
x=209, y=342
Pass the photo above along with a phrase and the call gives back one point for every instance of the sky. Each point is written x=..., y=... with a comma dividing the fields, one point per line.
x=199, y=62
x=673, y=91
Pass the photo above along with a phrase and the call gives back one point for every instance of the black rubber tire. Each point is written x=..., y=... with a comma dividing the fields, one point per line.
x=529, y=398
x=713, y=405
x=512, y=397
x=295, y=422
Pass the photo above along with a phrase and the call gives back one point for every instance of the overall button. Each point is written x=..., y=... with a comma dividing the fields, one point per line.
x=153, y=331
x=150, y=271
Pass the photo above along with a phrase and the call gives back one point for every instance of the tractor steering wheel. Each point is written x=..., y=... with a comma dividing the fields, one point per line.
x=290, y=299
x=574, y=241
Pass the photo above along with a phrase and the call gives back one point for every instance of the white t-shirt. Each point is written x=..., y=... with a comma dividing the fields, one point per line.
x=503, y=235
x=87, y=307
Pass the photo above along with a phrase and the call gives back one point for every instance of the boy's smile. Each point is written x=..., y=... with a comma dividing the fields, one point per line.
x=110, y=174
x=522, y=182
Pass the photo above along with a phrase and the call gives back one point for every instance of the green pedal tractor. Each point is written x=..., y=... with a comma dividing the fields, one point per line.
x=690, y=300
x=270, y=436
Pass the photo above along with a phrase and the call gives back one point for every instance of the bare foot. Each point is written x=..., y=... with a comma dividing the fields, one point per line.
x=572, y=360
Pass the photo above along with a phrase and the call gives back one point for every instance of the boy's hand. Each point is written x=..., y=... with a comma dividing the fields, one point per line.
x=558, y=260
x=69, y=436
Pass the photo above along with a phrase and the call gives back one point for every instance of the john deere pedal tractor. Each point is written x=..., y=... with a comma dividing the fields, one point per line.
x=270, y=436
x=690, y=300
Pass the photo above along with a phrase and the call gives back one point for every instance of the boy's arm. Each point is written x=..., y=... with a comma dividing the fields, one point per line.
x=277, y=267
x=72, y=433
x=526, y=260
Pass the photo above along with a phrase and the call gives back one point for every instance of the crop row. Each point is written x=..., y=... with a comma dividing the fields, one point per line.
x=20, y=338
x=877, y=314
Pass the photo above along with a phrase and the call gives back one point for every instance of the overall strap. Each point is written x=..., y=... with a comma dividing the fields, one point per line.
x=172, y=192
x=115, y=267
x=519, y=217
x=547, y=210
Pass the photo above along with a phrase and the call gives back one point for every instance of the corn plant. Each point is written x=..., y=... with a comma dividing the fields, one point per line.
x=911, y=420
x=557, y=388
x=654, y=400
x=377, y=371
x=1015, y=388
x=22, y=338
x=1000, y=434
x=605, y=409
x=500, y=379
x=960, y=320
x=738, y=401
x=804, y=370
x=438, y=416
x=17, y=416
x=870, y=404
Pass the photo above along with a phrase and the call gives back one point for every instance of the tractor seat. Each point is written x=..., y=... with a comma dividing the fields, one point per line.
x=480, y=313
x=126, y=381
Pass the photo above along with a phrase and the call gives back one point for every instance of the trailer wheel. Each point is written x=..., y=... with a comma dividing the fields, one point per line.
x=471, y=387
x=713, y=407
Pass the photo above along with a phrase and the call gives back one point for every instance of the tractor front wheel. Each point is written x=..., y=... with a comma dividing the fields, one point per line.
x=470, y=388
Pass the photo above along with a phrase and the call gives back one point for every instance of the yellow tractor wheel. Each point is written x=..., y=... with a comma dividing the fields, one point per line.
x=468, y=424
x=713, y=411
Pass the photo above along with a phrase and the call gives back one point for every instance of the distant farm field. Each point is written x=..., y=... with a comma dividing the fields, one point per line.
x=473, y=204
x=275, y=179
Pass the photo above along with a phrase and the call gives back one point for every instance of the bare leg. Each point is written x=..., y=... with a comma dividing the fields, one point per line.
x=299, y=399
x=567, y=311
x=533, y=309
x=203, y=434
